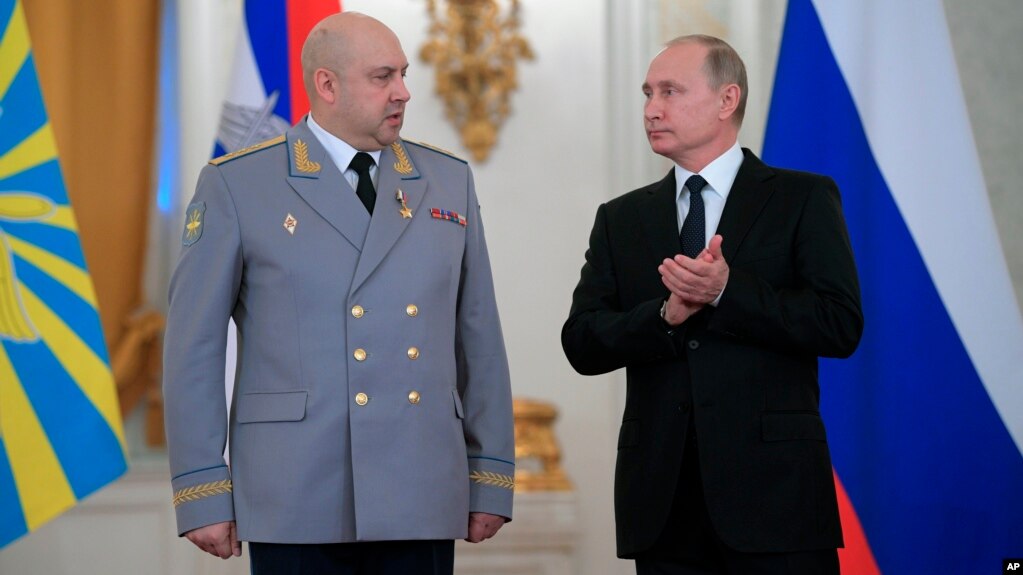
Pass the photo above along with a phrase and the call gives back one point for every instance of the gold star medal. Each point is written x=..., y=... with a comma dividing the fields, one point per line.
x=405, y=212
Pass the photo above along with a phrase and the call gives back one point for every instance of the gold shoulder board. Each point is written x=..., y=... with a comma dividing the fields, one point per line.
x=246, y=151
x=436, y=149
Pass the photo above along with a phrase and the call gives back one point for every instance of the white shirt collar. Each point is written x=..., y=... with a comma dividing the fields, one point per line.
x=720, y=173
x=340, y=151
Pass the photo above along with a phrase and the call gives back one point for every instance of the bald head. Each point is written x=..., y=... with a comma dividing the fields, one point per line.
x=353, y=68
x=336, y=41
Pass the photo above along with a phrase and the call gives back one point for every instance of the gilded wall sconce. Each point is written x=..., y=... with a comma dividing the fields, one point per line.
x=474, y=52
x=537, y=453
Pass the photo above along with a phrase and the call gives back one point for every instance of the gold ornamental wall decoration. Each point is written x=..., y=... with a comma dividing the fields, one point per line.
x=475, y=51
x=537, y=453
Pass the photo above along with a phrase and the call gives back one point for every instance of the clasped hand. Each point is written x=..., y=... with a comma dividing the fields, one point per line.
x=693, y=282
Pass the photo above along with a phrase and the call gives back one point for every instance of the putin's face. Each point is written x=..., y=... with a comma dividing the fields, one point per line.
x=682, y=114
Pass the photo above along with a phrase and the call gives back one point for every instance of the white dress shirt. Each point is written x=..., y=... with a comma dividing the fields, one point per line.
x=341, y=152
x=720, y=175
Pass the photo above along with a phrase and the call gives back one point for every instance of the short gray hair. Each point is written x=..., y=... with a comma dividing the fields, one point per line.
x=722, y=66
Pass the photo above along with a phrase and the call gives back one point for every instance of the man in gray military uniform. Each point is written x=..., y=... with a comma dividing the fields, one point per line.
x=371, y=423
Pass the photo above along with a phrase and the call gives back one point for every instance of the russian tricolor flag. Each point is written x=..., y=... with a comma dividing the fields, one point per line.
x=925, y=421
x=266, y=95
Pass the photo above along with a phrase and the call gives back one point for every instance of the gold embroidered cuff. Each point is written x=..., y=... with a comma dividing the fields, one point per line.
x=495, y=479
x=201, y=491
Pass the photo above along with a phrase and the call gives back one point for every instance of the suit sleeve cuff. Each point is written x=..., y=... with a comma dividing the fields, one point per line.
x=491, y=486
x=717, y=300
x=203, y=498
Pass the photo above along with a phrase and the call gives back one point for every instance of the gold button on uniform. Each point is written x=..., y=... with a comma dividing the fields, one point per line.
x=412, y=310
x=361, y=398
x=413, y=353
x=357, y=311
x=360, y=354
x=413, y=397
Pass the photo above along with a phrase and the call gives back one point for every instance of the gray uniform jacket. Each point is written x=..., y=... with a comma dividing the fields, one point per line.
x=372, y=398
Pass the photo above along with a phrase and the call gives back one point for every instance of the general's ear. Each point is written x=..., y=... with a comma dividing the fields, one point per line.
x=326, y=84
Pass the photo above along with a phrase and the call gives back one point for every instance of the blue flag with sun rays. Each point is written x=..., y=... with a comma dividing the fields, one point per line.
x=60, y=424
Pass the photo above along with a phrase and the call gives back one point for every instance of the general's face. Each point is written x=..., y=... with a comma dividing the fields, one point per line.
x=681, y=114
x=372, y=94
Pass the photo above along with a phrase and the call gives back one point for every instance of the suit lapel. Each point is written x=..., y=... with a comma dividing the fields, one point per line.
x=396, y=172
x=658, y=216
x=319, y=182
x=746, y=200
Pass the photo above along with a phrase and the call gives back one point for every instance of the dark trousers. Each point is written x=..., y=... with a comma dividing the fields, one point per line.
x=369, y=558
x=689, y=544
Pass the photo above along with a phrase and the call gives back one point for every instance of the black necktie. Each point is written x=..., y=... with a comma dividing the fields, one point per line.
x=693, y=234
x=361, y=163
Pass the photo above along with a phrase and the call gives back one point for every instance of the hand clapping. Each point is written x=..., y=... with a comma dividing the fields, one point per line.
x=693, y=282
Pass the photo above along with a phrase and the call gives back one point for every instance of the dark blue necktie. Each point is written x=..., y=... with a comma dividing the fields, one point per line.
x=361, y=163
x=693, y=234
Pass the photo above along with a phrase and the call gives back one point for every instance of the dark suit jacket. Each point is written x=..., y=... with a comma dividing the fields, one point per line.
x=746, y=371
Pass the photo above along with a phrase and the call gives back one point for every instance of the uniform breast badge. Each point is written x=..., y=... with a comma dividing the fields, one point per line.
x=290, y=223
x=405, y=212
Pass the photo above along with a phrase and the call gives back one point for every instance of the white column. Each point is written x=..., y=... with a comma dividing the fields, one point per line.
x=207, y=31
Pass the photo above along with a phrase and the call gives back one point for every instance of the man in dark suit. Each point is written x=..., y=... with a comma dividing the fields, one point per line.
x=723, y=464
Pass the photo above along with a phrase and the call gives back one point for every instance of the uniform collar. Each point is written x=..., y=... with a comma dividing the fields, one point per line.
x=340, y=151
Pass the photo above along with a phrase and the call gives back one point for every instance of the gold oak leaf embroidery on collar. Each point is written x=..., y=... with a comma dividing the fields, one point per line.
x=403, y=166
x=302, y=162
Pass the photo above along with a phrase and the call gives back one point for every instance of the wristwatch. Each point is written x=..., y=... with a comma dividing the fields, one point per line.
x=664, y=319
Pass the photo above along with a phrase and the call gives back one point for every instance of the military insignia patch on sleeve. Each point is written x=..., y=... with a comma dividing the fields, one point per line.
x=193, y=223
